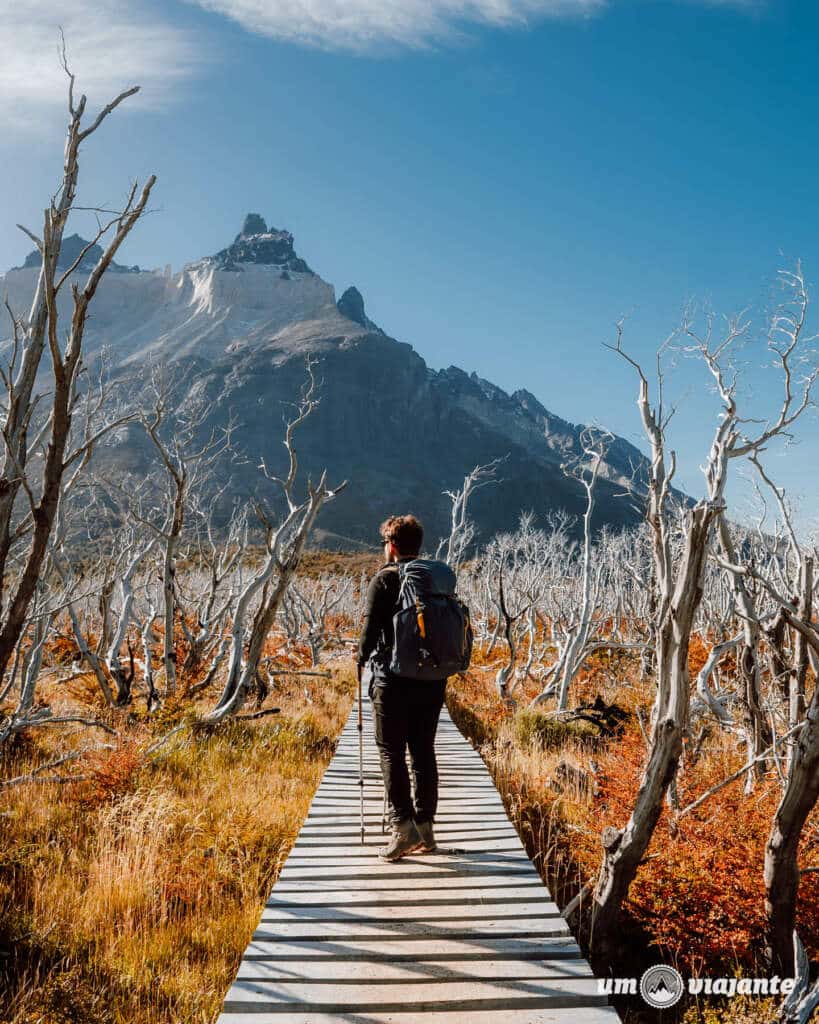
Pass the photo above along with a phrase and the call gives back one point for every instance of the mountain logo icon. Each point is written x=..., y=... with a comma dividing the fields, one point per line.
x=661, y=986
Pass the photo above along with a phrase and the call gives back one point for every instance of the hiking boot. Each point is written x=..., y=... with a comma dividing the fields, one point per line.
x=404, y=839
x=428, y=844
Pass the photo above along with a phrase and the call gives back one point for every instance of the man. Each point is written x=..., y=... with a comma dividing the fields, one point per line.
x=405, y=711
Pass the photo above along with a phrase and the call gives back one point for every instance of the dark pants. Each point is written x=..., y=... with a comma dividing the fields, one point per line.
x=405, y=715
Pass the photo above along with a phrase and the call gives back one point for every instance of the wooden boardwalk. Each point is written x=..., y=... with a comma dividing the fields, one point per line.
x=467, y=935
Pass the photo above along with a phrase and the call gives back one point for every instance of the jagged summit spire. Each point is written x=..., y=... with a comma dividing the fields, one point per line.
x=259, y=244
x=254, y=225
x=351, y=305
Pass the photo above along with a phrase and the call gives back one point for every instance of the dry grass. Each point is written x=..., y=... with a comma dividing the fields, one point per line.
x=131, y=896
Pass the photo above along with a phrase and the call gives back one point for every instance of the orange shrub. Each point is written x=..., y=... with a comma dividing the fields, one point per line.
x=699, y=893
x=111, y=774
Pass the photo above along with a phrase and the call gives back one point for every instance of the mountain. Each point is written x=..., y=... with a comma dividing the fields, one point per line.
x=76, y=250
x=239, y=326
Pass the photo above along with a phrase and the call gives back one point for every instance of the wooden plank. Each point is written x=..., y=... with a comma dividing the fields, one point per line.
x=408, y=931
x=338, y=852
x=461, y=827
x=401, y=881
x=455, y=859
x=359, y=875
x=413, y=910
x=393, y=996
x=395, y=896
x=375, y=950
x=553, y=1015
x=467, y=935
x=353, y=971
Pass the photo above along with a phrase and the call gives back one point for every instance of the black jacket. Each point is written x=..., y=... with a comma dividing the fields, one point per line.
x=381, y=605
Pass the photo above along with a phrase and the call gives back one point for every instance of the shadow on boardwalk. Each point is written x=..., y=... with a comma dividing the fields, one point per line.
x=467, y=935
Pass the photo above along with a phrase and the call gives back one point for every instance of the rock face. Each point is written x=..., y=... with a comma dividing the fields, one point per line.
x=70, y=250
x=241, y=324
x=351, y=305
x=258, y=244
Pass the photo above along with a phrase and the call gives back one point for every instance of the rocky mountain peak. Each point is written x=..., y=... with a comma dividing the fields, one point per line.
x=71, y=248
x=254, y=225
x=351, y=305
x=260, y=245
x=241, y=323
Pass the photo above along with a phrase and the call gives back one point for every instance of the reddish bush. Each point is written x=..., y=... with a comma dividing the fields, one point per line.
x=109, y=774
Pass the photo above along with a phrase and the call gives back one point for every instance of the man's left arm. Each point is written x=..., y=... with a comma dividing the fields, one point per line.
x=375, y=608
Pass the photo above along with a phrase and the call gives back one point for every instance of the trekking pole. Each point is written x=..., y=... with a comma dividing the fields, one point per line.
x=361, y=756
x=384, y=814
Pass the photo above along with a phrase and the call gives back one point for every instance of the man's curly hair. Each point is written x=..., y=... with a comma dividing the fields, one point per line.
x=405, y=532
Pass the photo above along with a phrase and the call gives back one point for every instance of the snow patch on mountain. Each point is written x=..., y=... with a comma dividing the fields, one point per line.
x=210, y=309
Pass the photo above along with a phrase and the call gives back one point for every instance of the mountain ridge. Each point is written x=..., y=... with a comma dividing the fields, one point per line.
x=241, y=324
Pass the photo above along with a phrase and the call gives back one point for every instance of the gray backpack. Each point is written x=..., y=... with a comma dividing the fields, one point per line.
x=433, y=634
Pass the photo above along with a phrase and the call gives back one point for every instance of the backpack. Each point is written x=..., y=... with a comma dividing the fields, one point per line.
x=433, y=634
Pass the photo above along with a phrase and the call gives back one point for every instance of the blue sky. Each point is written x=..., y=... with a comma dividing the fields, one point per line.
x=502, y=179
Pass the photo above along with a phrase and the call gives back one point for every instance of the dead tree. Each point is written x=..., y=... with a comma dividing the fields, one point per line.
x=113, y=555
x=579, y=644
x=138, y=550
x=800, y=580
x=768, y=565
x=151, y=695
x=314, y=601
x=679, y=586
x=217, y=559
x=267, y=586
x=788, y=344
x=69, y=579
x=513, y=580
x=462, y=529
x=29, y=659
x=31, y=335
x=63, y=583
x=781, y=870
x=801, y=725
x=185, y=458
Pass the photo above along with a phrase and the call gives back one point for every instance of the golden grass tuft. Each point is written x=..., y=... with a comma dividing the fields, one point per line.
x=132, y=895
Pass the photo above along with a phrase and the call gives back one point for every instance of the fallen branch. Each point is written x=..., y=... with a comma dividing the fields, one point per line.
x=273, y=672
x=256, y=714
x=739, y=773
x=35, y=775
x=68, y=719
x=164, y=739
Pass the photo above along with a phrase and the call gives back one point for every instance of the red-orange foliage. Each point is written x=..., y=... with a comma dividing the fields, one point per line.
x=698, y=652
x=62, y=650
x=110, y=774
x=699, y=893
